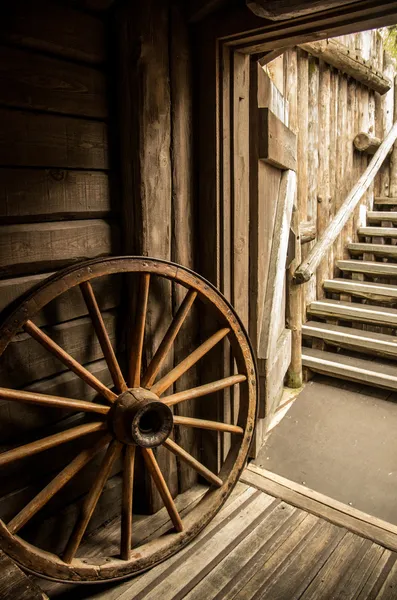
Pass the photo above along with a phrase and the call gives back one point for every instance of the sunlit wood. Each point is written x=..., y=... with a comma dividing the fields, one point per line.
x=154, y=470
x=136, y=349
x=50, y=442
x=52, y=401
x=168, y=340
x=55, y=485
x=203, y=424
x=91, y=500
x=192, y=462
x=165, y=382
x=68, y=360
x=126, y=502
x=103, y=336
x=203, y=390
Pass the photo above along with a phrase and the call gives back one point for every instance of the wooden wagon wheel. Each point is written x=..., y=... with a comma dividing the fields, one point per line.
x=132, y=416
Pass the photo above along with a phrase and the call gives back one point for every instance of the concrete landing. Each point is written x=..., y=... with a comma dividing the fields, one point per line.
x=340, y=439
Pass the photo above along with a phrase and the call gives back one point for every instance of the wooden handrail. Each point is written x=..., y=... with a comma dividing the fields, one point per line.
x=308, y=267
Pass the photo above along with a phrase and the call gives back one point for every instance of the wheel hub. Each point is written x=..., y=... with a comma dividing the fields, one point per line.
x=139, y=418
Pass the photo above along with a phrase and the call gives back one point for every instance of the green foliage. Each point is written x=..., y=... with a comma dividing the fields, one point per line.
x=391, y=41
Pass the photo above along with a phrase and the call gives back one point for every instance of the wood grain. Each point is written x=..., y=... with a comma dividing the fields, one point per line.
x=59, y=141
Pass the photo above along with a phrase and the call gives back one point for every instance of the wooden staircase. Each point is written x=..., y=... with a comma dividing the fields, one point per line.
x=351, y=334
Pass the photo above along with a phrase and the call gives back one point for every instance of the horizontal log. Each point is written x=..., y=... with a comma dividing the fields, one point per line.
x=308, y=267
x=276, y=10
x=336, y=54
x=38, y=140
x=54, y=28
x=277, y=143
x=31, y=81
x=307, y=231
x=68, y=305
x=30, y=248
x=19, y=420
x=25, y=361
x=31, y=195
x=363, y=142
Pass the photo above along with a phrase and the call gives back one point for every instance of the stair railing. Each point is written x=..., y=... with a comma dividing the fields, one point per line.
x=308, y=267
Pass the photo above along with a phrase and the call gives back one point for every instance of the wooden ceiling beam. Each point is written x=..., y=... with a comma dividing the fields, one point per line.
x=277, y=10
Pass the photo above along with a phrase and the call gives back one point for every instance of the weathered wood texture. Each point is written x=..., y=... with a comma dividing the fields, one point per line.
x=56, y=207
x=14, y=583
x=277, y=10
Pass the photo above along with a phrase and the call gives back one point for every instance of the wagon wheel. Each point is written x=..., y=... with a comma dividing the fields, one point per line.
x=131, y=417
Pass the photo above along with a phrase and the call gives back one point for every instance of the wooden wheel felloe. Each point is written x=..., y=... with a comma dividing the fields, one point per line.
x=133, y=417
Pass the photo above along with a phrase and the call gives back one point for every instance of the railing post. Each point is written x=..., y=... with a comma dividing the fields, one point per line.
x=294, y=306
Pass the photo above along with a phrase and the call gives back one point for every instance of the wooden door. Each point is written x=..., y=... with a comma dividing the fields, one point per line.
x=272, y=198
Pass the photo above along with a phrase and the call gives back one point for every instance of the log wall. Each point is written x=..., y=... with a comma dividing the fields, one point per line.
x=327, y=108
x=59, y=204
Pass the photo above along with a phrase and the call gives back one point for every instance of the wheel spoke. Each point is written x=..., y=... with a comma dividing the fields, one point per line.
x=139, y=332
x=52, y=401
x=162, y=487
x=68, y=360
x=126, y=506
x=103, y=337
x=55, y=485
x=163, y=384
x=192, y=462
x=203, y=424
x=203, y=390
x=50, y=442
x=91, y=500
x=168, y=339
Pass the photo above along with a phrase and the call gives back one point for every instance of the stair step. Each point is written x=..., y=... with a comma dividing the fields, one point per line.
x=382, y=292
x=368, y=267
x=383, y=250
x=352, y=339
x=381, y=215
x=386, y=200
x=370, y=372
x=349, y=311
x=389, y=232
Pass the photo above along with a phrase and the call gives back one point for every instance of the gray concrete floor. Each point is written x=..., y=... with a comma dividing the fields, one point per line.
x=340, y=439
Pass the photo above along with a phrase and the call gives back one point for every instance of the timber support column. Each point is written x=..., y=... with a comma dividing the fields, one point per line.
x=294, y=306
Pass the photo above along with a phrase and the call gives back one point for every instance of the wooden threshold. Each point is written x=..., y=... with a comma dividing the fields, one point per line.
x=379, y=531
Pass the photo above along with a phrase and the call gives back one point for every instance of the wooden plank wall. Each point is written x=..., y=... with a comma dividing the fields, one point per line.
x=327, y=110
x=58, y=205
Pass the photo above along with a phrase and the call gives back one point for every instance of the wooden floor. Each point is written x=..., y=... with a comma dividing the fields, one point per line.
x=260, y=546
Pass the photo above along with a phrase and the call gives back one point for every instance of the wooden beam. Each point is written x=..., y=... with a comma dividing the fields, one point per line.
x=363, y=142
x=277, y=143
x=370, y=527
x=309, y=266
x=307, y=231
x=276, y=10
x=339, y=56
x=268, y=333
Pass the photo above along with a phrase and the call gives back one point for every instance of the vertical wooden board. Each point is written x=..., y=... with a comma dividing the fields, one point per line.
x=291, y=87
x=147, y=170
x=303, y=127
x=77, y=35
x=276, y=72
x=324, y=188
x=240, y=210
x=38, y=140
x=340, y=156
x=32, y=81
x=347, y=234
x=393, y=158
x=313, y=152
x=225, y=218
x=182, y=222
x=52, y=194
x=333, y=156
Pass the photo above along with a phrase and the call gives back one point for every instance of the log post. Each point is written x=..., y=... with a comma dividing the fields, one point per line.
x=393, y=157
x=294, y=307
